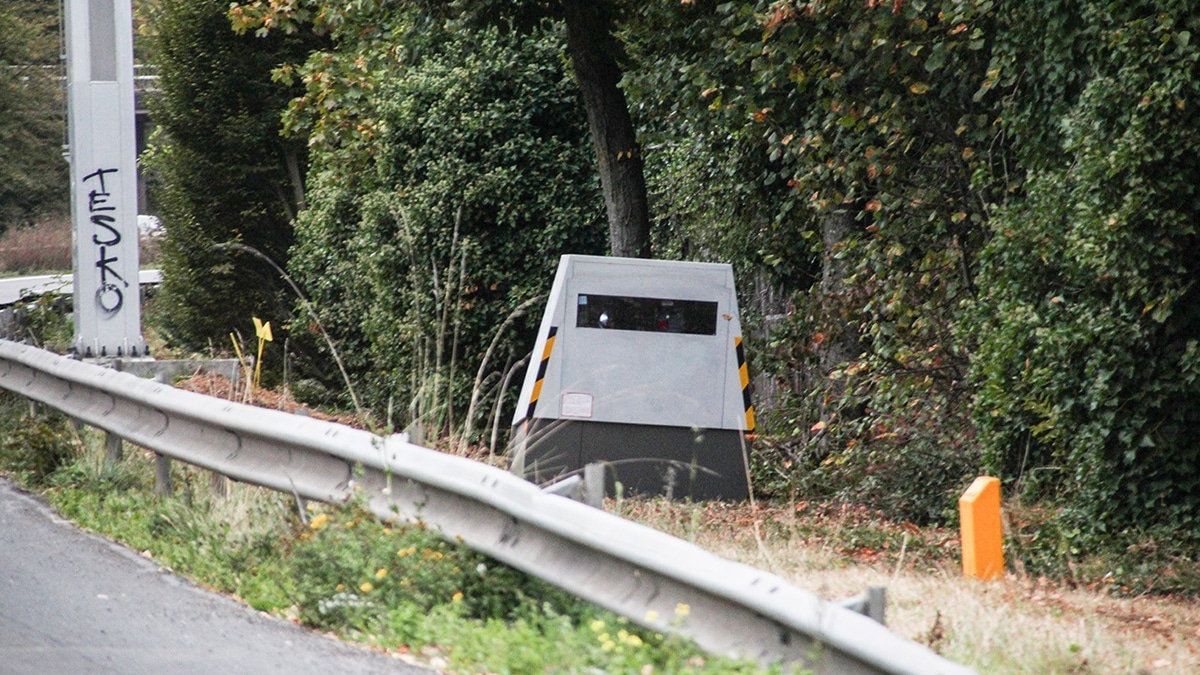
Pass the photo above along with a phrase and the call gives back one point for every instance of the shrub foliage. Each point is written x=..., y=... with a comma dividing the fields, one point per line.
x=471, y=178
x=964, y=229
x=221, y=171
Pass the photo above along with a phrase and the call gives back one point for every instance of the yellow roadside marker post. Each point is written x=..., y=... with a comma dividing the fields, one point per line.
x=263, y=332
x=982, y=533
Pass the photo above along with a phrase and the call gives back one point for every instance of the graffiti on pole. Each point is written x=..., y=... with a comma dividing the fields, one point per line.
x=110, y=294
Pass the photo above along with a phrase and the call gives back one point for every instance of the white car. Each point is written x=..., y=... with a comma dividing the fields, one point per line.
x=149, y=226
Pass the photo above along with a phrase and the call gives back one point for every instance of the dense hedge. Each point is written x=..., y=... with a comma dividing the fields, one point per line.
x=477, y=180
x=1088, y=318
x=33, y=175
x=220, y=172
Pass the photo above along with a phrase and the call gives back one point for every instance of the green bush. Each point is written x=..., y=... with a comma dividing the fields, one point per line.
x=878, y=141
x=36, y=446
x=352, y=571
x=220, y=172
x=1088, y=322
x=888, y=429
x=477, y=180
x=33, y=176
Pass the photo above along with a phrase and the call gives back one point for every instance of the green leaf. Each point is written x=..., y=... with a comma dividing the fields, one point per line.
x=937, y=57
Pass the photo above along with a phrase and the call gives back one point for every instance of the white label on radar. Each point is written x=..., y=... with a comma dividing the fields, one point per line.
x=575, y=404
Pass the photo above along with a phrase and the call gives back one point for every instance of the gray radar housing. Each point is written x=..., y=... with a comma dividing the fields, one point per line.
x=638, y=365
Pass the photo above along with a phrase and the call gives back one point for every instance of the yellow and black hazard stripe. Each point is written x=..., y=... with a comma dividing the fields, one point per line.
x=541, y=373
x=744, y=373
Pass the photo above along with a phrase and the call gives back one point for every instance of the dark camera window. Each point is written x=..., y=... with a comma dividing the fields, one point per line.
x=654, y=315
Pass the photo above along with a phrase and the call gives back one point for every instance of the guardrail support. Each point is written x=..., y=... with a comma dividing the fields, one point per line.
x=568, y=487
x=588, y=490
x=220, y=485
x=872, y=604
x=593, y=485
x=113, y=448
x=162, y=474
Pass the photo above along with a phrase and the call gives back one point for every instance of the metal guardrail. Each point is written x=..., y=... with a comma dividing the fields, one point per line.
x=635, y=571
x=15, y=289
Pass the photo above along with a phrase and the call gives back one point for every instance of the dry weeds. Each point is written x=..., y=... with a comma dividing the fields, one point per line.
x=37, y=248
x=46, y=247
x=219, y=386
x=1014, y=625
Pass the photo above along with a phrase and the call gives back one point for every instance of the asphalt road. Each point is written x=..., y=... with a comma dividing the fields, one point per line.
x=71, y=602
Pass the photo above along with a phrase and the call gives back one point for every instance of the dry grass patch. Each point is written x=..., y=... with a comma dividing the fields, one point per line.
x=1015, y=625
x=45, y=246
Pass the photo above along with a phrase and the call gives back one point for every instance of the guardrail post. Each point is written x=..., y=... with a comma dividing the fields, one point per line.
x=220, y=485
x=877, y=603
x=593, y=485
x=113, y=448
x=162, y=474
x=162, y=463
x=872, y=604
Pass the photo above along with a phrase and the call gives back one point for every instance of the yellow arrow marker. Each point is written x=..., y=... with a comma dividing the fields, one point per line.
x=263, y=331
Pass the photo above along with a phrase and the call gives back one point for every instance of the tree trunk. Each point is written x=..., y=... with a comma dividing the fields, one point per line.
x=843, y=342
x=594, y=59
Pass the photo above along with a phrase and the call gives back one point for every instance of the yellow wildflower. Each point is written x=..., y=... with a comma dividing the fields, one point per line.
x=457, y=597
x=596, y=625
x=406, y=551
x=651, y=616
x=319, y=521
x=682, y=609
x=366, y=587
x=381, y=573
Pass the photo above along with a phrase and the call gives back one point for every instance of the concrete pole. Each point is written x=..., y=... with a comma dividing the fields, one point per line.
x=102, y=153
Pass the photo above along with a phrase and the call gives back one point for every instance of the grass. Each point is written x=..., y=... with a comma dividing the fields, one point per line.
x=334, y=568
